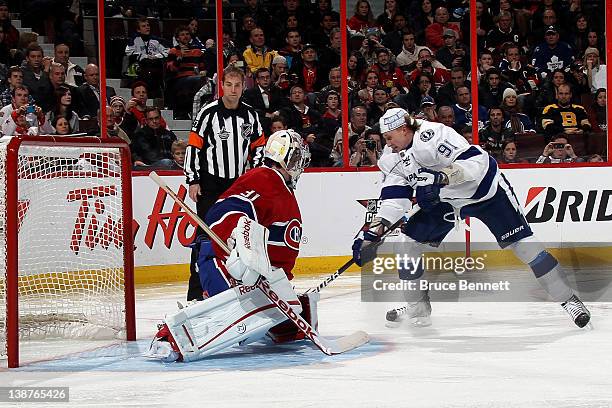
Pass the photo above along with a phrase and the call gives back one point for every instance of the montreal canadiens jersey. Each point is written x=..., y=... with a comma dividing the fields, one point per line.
x=262, y=195
x=435, y=147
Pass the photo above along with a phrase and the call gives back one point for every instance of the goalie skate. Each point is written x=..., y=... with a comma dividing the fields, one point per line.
x=163, y=347
x=577, y=311
x=419, y=314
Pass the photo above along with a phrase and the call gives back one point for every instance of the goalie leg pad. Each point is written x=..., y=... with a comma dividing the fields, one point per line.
x=242, y=314
x=287, y=331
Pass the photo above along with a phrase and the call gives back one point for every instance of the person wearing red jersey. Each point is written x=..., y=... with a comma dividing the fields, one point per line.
x=260, y=219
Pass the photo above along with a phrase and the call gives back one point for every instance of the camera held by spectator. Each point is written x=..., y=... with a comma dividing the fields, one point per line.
x=558, y=151
x=286, y=80
x=367, y=149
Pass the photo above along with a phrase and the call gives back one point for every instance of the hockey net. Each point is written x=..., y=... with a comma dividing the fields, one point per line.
x=65, y=243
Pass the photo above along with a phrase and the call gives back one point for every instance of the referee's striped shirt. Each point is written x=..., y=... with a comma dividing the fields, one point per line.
x=222, y=141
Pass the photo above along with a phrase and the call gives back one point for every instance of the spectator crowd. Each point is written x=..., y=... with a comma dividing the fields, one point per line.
x=541, y=76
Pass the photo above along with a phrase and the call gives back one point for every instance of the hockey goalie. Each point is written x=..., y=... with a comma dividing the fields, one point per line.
x=260, y=220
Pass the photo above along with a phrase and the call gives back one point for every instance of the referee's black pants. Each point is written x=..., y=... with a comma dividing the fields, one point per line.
x=211, y=188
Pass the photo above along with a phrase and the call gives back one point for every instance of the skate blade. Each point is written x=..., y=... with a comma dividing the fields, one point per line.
x=589, y=327
x=420, y=322
x=393, y=325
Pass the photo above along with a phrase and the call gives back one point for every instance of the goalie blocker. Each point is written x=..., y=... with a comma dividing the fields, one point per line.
x=260, y=219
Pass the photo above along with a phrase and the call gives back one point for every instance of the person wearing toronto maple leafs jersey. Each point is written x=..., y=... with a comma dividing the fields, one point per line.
x=451, y=179
x=259, y=218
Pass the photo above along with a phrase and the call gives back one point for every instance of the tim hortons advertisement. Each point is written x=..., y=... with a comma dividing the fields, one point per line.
x=162, y=231
x=85, y=218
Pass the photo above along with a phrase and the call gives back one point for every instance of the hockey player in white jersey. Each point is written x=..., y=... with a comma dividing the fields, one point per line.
x=432, y=162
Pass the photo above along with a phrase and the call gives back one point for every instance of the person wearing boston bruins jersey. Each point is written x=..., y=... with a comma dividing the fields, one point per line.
x=564, y=116
x=450, y=178
x=227, y=134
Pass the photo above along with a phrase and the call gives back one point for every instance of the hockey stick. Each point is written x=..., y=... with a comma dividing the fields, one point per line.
x=351, y=261
x=326, y=345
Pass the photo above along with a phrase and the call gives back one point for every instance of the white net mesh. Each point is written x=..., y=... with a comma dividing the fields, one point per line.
x=70, y=258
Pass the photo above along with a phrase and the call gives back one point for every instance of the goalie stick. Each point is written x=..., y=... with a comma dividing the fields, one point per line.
x=326, y=345
x=343, y=268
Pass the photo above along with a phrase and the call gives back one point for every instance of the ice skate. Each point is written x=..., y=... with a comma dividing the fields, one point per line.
x=163, y=347
x=419, y=313
x=577, y=311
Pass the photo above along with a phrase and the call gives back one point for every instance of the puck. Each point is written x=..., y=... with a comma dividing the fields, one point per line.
x=392, y=315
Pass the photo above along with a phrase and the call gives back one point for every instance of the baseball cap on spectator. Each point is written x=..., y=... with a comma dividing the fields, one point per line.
x=392, y=119
x=552, y=29
x=279, y=59
x=309, y=47
x=449, y=33
x=508, y=92
x=381, y=88
x=427, y=101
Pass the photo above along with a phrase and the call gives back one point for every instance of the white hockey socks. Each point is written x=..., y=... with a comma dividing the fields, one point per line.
x=545, y=267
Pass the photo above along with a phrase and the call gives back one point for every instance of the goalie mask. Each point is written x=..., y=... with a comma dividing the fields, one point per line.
x=287, y=148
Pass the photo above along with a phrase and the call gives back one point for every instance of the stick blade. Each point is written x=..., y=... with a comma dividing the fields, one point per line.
x=346, y=343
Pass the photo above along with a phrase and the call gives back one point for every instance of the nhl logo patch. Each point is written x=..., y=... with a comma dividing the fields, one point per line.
x=246, y=129
x=372, y=206
x=426, y=135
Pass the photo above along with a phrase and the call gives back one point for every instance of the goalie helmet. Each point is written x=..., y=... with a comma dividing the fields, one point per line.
x=287, y=148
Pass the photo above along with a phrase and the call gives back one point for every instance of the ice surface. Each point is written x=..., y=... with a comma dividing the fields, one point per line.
x=475, y=354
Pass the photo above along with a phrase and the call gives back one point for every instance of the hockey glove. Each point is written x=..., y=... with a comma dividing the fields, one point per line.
x=369, y=235
x=428, y=188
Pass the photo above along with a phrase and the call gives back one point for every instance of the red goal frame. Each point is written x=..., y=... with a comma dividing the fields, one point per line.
x=12, y=250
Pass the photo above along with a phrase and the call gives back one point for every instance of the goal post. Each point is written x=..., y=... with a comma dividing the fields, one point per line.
x=65, y=240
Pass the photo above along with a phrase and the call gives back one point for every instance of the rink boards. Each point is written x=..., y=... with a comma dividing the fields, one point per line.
x=568, y=208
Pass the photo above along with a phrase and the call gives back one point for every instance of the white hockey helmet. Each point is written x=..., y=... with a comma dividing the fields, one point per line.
x=287, y=148
x=392, y=119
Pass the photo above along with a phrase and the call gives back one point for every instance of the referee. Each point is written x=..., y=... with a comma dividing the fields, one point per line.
x=225, y=136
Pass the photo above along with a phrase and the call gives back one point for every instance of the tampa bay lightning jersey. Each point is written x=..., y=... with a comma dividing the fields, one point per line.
x=435, y=147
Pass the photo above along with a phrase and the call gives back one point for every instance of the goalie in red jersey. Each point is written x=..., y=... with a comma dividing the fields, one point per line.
x=260, y=219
